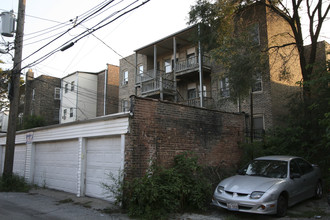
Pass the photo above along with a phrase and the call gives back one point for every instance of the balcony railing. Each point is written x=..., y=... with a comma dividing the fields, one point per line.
x=191, y=63
x=153, y=85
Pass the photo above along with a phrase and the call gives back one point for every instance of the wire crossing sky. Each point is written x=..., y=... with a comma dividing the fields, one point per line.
x=62, y=37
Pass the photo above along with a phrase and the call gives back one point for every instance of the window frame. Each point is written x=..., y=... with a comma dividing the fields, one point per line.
x=57, y=93
x=72, y=86
x=125, y=77
x=66, y=87
x=71, y=112
x=224, y=88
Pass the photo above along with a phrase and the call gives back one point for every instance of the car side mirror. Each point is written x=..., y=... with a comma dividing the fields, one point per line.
x=295, y=175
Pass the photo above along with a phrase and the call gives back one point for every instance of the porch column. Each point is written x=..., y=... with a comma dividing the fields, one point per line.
x=137, y=77
x=200, y=60
x=174, y=71
x=160, y=75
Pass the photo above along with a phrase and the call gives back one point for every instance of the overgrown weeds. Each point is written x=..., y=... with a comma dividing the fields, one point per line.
x=14, y=183
x=162, y=191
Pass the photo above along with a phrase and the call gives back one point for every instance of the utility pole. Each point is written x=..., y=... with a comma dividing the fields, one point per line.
x=13, y=92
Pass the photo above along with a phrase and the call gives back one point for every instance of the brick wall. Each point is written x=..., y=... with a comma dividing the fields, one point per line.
x=159, y=130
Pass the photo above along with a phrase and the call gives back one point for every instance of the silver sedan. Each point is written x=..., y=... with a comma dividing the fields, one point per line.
x=269, y=185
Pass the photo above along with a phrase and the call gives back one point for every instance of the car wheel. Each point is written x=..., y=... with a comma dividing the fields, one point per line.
x=318, y=190
x=282, y=206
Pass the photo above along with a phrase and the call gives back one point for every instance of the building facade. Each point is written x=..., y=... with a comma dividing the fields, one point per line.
x=175, y=69
x=41, y=97
x=87, y=95
x=79, y=97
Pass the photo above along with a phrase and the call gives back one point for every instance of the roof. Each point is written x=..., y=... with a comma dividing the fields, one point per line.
x=183, y=37
x=277, y=157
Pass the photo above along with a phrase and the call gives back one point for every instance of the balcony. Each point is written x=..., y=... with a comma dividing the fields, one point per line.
x=151, y=82
x=191, y=64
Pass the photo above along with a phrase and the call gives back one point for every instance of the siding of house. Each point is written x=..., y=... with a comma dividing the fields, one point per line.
x=159, y=130
x=83, y=99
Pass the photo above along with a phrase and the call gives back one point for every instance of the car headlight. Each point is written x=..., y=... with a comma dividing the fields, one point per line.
x=220, y=189
x=256, y=195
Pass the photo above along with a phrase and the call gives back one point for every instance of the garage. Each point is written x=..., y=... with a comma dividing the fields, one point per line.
x=19, y=160
x=56, y=165
x=103, y=156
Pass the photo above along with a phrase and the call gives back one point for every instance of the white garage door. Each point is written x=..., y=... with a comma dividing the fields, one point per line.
x=103, y=157
x=19, y=160
x=56, y=165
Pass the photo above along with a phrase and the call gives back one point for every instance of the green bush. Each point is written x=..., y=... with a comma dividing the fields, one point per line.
x=13, y=183
x=168, y=190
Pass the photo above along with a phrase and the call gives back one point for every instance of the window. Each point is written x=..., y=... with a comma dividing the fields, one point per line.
x=254, y=33
x=258, y=84
x=57, y=95
x=124, y=106
x=204, y=91
x=258, y=126
x=66, y=88
x=71, y=112
x=305, y=167
x=168, y=66
x=191, y=59
x=64, y=113
x=72, y=86
x=140, y=73
x=33, y=94
x=192, y=93
x=22, y=99
x=125, y=77
x=224, y=88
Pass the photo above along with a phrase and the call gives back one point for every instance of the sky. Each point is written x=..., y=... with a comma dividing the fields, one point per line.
x=148, y=23
x=154, y=20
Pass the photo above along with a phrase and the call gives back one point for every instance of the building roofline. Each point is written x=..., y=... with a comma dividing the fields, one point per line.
x=167, y=37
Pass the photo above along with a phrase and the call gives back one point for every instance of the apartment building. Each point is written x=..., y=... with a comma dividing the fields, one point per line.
x=86, y=95
x=41, y=97
x=174, y=68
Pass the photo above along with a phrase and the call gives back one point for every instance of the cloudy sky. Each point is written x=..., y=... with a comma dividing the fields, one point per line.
x=47, y=19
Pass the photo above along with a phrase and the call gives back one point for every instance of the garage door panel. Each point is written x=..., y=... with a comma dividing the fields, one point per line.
x=19, y=160
x=56, y=165
x=103, y=157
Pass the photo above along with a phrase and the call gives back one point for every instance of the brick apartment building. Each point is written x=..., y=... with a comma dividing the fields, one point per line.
x=173, y=69
x=42, y=97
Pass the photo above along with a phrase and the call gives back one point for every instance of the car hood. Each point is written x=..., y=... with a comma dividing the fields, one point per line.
x=248, y=184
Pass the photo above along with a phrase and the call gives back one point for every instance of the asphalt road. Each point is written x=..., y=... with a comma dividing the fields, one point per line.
x=42, y=204
x=25, y=206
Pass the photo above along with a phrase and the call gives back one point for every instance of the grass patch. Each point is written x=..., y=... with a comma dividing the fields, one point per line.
x=14, y=183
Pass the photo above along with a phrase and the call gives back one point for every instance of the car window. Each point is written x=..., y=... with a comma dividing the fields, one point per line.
x=266, y=168
x=304, y=166
x=294, y=168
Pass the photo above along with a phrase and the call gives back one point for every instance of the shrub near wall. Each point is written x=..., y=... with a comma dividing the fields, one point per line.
x=160, y=130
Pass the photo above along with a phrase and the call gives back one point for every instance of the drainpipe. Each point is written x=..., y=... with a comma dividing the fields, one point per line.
x=105, y=91
x=136, y=74
x=200, y=70
x=174, y=71
x=155, y=72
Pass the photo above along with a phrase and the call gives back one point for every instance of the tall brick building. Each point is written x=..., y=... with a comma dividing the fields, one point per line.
x=174, y=69
x=42, y=97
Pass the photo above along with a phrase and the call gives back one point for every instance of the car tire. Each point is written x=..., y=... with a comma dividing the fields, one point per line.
x=282, y=206
x=318, y=190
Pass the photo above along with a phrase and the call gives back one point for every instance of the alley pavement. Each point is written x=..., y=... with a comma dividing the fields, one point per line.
x=42, y=204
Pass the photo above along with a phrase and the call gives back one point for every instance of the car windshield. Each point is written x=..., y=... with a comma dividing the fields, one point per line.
x=266, y=168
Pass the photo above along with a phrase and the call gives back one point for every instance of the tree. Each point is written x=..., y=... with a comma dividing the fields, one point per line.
x=4, y=103
x=220, y=16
